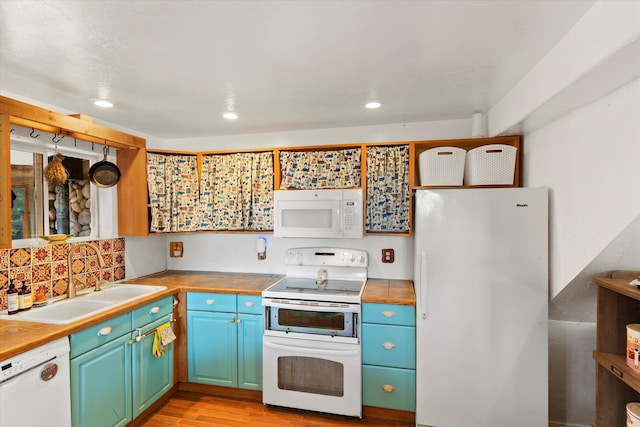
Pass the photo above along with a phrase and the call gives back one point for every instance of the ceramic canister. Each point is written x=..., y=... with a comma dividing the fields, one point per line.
x=633, y=346
x=633, y=414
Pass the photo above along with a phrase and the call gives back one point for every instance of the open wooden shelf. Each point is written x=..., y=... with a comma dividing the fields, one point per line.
x=616, y=383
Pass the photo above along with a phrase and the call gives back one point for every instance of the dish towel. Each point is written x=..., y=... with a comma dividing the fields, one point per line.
x=163, y=336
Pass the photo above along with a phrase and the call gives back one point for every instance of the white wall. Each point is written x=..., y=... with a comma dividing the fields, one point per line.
x=589, y=159
x=571, y=373
x=445, y=129
x=145, y=255
x=235, y=252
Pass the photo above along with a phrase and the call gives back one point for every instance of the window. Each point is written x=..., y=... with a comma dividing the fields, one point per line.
x=39, y=209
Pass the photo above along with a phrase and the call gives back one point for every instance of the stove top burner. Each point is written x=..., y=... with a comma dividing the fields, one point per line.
x=322, y=274
x=311, y=286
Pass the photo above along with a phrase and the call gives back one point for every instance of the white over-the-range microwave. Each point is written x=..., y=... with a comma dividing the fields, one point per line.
x=328, y=214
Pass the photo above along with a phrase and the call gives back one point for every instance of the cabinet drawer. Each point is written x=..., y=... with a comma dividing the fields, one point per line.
x=390, y=388
x=249, y=304
x=211, y=302
x=99, y=334
x=388, y=314
x=384, y=345
x=152, y=312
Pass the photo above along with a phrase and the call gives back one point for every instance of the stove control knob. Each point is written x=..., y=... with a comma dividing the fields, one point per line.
x=289, y=254
x=361, y=259
x=352, y=257
x=298, y=255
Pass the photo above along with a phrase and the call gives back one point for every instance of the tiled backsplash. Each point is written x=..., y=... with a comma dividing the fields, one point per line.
x=44, y=268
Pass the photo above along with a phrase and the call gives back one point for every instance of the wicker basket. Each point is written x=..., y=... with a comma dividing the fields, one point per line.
x=490, y=165
x=442, y=166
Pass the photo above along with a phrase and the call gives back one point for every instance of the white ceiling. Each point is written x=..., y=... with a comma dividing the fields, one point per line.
x=173, y=67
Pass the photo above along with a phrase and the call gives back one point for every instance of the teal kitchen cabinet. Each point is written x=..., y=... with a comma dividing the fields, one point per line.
x=250, y=342
x=151, y=377
x=389, y=356
x=224, y=340
x=101, y=374
x=114, y=375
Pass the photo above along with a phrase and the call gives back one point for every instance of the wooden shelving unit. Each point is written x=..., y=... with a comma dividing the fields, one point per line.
x=467, y=144
x=616, y=383
x=133, y=204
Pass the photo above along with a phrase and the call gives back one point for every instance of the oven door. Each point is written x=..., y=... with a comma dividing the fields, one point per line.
x=312, y=375
x=332, y=320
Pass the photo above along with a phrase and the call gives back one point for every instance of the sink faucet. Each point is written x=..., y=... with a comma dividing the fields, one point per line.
x=71, y=288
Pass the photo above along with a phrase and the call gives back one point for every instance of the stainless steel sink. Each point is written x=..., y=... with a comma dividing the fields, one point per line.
x=71, y=310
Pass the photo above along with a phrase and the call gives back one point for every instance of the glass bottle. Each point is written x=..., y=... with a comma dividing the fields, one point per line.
x=13, y=306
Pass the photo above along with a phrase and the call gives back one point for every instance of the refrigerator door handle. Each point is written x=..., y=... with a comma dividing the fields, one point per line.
x=423, y=283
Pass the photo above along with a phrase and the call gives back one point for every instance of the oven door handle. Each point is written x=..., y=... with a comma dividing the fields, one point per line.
x=312, y=351
x=344, y=308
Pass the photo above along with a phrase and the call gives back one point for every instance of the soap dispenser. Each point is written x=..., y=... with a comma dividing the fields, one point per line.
x=12, y=299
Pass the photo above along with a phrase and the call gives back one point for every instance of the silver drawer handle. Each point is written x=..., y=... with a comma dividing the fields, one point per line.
x=388, y=313
x=105, y=331
x=388, y=388
x=210, y=301
x=155, y=310
x=388, y=345
x=248, y=303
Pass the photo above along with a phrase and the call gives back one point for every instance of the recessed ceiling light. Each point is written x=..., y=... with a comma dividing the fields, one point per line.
x=372, y=105
x=229, y=115
x=103, y=103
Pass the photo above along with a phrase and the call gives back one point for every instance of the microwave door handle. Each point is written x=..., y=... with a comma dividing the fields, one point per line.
x=311, y=351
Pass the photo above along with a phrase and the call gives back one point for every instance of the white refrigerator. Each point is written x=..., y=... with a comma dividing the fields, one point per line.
x=481, y=282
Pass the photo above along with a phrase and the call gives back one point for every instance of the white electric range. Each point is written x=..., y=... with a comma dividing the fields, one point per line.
x=312, y=354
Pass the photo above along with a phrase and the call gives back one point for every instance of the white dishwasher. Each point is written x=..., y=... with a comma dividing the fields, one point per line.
x=35, y=387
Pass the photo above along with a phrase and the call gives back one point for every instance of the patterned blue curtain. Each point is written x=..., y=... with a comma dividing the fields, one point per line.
x=173, y=192
x=388, y=192
x=237, y=191
x=310, y=170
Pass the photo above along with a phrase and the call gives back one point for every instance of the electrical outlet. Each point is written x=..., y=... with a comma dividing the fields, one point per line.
x=387, y=255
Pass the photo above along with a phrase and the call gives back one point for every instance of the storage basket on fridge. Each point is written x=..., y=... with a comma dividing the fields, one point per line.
x=492, y=164
x=442, y=166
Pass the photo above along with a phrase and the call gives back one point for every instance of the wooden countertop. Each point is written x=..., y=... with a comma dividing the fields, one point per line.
x=17, y=336
x=386, y=291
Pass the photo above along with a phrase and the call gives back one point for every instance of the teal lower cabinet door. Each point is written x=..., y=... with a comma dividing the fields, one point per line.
x=101, y=385
x=114, y=374
x=392, y=388
x=151, y=377
x=224, y=340
x=212, y=348
x=250, y=351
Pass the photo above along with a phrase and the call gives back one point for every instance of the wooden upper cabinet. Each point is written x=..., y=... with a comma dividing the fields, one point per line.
x=131, y=159
x=356, y=170
x=5, y=182
x=133, y=213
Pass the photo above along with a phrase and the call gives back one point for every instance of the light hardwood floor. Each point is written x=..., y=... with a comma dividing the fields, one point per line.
x=189, y=409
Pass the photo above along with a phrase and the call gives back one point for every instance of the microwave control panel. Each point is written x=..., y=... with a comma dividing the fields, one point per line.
x=352, y=221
